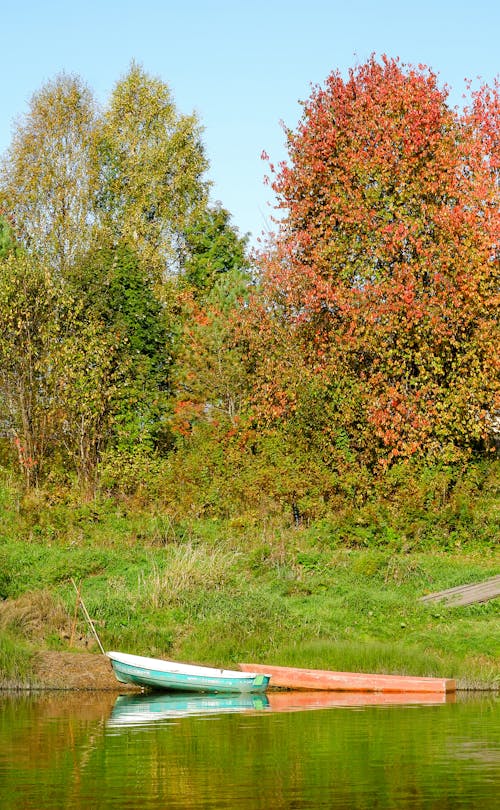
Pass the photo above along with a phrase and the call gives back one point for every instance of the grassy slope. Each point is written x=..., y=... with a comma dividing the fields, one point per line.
x=216, y=597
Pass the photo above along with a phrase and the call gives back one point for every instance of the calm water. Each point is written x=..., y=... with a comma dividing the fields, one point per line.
x=285, y=751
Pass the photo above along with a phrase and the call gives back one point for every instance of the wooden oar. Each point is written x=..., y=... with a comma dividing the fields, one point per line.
x=86, y=614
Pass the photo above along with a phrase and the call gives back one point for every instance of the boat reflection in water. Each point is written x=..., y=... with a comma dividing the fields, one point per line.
x=296, y=701
x=144, y=709
x=140, y=710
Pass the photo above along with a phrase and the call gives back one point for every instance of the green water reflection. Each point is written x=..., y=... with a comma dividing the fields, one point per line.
x=97, y=751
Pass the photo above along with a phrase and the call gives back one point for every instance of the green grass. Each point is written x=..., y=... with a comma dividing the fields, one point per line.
x=341, y=593
x=287, y=603
x=15, y=662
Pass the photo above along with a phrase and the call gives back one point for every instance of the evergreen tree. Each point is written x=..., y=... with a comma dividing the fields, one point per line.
x=213, y=246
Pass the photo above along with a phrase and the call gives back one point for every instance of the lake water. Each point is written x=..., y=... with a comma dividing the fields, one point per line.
x=286, y=750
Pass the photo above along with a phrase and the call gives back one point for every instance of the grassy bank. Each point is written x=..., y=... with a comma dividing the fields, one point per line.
x=215, y=592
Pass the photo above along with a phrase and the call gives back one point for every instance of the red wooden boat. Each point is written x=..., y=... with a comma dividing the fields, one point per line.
x=296, y=678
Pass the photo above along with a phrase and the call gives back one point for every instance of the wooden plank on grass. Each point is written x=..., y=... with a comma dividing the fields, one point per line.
x=466, y=594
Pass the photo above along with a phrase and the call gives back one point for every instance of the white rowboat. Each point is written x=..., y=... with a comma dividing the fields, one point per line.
x=155, y=673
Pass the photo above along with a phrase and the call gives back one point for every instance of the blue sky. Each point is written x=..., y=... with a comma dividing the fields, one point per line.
x=243, y=66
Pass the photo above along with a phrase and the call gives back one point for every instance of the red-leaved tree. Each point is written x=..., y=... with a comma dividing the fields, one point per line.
x=385, y=266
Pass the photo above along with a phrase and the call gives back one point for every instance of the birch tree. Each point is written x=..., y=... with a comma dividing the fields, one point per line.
x=152, y=171
x=48, y=175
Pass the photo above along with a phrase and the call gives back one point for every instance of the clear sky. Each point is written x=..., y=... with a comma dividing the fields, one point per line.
x=242, y=65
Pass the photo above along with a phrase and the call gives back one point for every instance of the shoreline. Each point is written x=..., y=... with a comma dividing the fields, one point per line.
x=71, y=672
x=55, y=671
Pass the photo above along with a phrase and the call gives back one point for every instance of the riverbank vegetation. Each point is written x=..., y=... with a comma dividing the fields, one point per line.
x=332, y=594
x=268, y=454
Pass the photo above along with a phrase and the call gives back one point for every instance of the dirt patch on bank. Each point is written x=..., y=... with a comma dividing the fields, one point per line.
x=65, y=670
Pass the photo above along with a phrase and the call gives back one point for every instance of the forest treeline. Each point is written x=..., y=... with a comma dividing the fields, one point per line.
x=144, y=352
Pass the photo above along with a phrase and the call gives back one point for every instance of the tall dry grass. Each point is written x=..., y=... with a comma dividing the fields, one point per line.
x=186, y=569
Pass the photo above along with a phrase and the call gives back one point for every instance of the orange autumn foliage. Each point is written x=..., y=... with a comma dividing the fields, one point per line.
x=384, y=271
